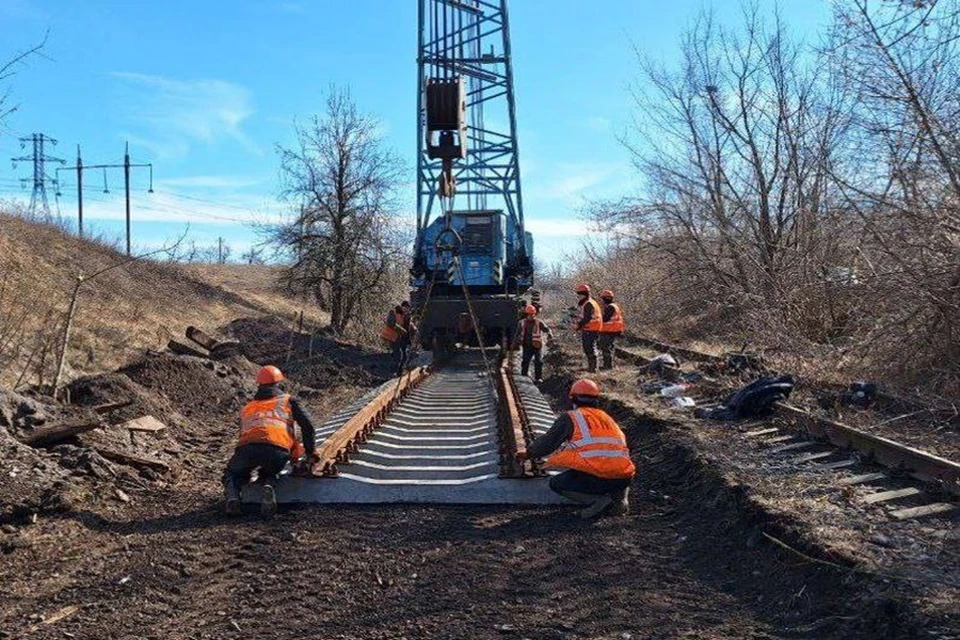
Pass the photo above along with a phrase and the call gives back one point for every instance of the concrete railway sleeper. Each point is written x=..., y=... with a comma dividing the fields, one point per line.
x=436, y=435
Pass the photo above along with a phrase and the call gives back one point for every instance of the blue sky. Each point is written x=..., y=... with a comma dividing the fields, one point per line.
x=206, y=90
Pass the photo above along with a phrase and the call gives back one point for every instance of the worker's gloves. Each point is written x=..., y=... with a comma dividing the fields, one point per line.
x=304, y=466
x=521, y=456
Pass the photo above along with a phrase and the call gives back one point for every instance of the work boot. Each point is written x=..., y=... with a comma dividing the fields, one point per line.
x=268, y=501
x=576, y=496
x=621, y=503
x=232, y=508
x=596, y=508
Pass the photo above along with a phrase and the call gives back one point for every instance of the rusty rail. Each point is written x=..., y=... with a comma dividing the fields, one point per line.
x=919, y=464
x=663, y=347
x=346, y=440
x=515, y=428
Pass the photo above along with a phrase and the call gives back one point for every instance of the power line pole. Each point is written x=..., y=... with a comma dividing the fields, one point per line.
x=40, y=177
x=126, y=166
x=220, y=250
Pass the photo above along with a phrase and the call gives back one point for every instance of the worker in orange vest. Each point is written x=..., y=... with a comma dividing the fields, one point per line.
x=588, y=324
x=531, y=335
x=398, y=330
x=590, y=445
x=268, y=441
x=612, y=327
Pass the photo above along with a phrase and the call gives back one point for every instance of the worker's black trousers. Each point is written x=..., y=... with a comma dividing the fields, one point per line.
x=268, y=458
x=589, y=339
x=579, y=482
x=400, y=348
x=532, y=353
x=606, y=343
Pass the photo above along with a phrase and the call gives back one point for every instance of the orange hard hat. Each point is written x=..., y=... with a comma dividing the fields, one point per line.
x=269, y=375
x=583, y=288
x=530, y=310
x=585, y=387
x=606, y=293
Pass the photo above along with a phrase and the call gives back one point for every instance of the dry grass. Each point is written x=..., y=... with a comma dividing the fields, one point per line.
x=138, y=306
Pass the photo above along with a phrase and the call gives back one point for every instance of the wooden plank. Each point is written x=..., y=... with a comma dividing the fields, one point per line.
x=810, y=457
x=107, y=407
x=863, y=478
x=183, y=350
x=134, y=460
x=761, y=432
x=920, y=464
x=839, y=464
x=778, y=439
x=144, y=423
x=52, y=434
x=925, y=510
x=794, y=446
x=201, y=338
x=894, y=494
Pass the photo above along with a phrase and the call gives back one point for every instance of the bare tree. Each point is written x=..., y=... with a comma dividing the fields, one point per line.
x=735, y=148
x=901, y=60
x=343, y=238
x=8, y=69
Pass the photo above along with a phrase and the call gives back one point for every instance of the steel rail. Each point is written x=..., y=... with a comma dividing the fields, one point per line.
x=346, y=440
x=919, y=464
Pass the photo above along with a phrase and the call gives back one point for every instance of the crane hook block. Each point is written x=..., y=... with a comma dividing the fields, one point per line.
x=446, y=118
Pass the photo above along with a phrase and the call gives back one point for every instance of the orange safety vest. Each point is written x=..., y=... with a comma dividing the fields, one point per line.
x=537, y=337
x=390, y=333
x=270, y=421
x=596, y=320
x=598, y=446
x=615, y=324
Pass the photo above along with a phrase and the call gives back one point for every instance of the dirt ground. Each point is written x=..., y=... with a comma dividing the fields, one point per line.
x=80, y=561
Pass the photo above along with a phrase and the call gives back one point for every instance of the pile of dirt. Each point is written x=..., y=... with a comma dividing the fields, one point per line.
x=313, y=359
x=34, y=480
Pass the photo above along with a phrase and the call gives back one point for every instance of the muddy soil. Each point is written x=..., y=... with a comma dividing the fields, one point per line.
x=687, y=561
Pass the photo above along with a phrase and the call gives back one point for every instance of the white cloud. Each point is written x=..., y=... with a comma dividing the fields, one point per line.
x=175, y=114
x=571, y=183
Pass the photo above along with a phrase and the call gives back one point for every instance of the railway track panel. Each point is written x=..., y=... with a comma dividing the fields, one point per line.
x=807, y=439
x=439, y=443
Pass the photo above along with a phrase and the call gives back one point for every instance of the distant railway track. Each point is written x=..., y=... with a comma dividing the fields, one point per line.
x=809, y=439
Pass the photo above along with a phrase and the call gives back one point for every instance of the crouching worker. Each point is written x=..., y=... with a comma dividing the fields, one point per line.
x=268, y=441
x=591, y=446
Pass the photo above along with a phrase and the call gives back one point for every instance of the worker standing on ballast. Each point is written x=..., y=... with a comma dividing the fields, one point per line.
x=268, y=441
x=590, y=445
x=589, y=324
x=531, y=335
x=398, y=330
x=612, y=327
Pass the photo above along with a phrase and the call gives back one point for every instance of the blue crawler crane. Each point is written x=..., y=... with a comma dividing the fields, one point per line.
x=472, y=258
